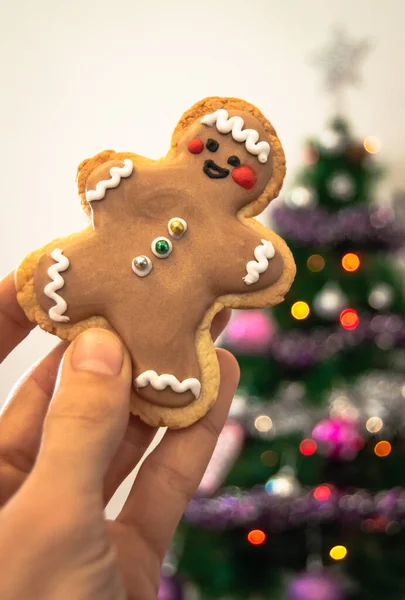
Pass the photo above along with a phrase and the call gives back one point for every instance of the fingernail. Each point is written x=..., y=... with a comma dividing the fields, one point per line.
x=98, y=351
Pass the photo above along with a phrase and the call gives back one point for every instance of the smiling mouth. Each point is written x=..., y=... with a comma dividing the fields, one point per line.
x=214, y=171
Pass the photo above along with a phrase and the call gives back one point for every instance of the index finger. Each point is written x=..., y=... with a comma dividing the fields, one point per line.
x=171, y=473
x=14, y=324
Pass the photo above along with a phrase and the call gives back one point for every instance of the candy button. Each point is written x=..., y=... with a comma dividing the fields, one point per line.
x=142, y=266
x=162, y=247
x=177, y=227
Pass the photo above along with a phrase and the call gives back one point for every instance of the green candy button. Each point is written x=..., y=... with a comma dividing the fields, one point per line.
x=162, y=247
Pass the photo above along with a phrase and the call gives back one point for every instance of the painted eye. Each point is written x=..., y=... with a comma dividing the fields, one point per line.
x=212, y=145
x=195, y=146
x=234, y=161
x=142, y=266
x=162, y=247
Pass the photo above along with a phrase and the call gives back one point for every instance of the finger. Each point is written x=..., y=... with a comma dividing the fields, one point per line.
x=136, y=441
x=14, y=325
x=170, y=475
x=87, y=416
x=139, y=435
x=219, y=322
x=21, y=421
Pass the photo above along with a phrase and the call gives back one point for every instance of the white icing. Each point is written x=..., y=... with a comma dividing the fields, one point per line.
x=183, y=222
x=157, y=253
x=116, y=174
x=144, y=272
x=62, y=262
x=160, y=382
x=234, y=124
x=256, y=267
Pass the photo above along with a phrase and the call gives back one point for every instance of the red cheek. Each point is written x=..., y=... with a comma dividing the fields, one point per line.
x=244, y=176
x=195, y=146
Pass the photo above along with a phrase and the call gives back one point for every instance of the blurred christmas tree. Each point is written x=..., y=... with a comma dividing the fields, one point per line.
x=303, y=498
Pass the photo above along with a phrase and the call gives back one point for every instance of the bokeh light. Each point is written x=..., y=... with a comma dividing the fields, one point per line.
x=349, y=319
x=283, y=484
x=338, y=552
x=310, y=155
x=393, y=528
x=249, y=331
x=382, y=449
x=350, y=262
x=256, y=537
x=308, y=447
x=269, y=458
x=316, y=263
x=374, y=424
x=372, y=144
x=263, y=423
x=300, y=310
x=322, y=493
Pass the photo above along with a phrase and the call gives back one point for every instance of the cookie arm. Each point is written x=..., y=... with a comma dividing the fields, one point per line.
x=258, y=269
x=105, y=190
x=127, y=187
x=56, y=287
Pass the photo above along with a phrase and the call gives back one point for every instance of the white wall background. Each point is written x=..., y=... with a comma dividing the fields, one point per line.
x=81, y=76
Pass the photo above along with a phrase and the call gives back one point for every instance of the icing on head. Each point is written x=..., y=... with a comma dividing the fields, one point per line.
x=234, y=125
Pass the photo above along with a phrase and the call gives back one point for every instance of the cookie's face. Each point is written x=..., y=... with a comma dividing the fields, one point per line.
x=235, y=172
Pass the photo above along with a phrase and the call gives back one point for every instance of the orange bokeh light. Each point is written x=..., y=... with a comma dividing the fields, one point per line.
x=256, y=537
x=372, y=144
x=382, y=449
x=350, y=262
x=322, y=493
x=349, y=319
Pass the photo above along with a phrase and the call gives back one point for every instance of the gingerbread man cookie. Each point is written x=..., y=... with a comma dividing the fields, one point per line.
x=169, y=244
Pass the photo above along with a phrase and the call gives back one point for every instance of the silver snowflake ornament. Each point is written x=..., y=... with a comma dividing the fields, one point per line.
x=340, y=60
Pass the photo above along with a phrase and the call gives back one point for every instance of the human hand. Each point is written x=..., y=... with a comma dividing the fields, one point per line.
x=67, y=441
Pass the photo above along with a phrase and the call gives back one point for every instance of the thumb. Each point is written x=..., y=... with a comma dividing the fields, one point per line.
x=88, y=413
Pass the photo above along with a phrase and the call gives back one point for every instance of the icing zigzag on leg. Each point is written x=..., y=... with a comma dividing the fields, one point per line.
x=62, y=262
x=254, y=268
x=116, y=174
x=160, y=382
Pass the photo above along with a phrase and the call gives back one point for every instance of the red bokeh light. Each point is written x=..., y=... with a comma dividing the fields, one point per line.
x=322, y=493
x=308, y=447
x=256, y=537
x=349, y=319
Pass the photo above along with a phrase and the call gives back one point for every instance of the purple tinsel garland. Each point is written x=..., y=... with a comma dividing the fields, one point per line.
x=301, y=349
x=359, y=225
x=278, y=513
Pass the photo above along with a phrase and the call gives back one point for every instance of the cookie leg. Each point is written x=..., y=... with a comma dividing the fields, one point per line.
x=168, y=376
x=166, y=370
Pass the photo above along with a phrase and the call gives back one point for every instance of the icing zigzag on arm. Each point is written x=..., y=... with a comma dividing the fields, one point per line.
x=256, y=267
x=234, y=124
x=116, y=174
x=160, y=382
x=62, y=262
